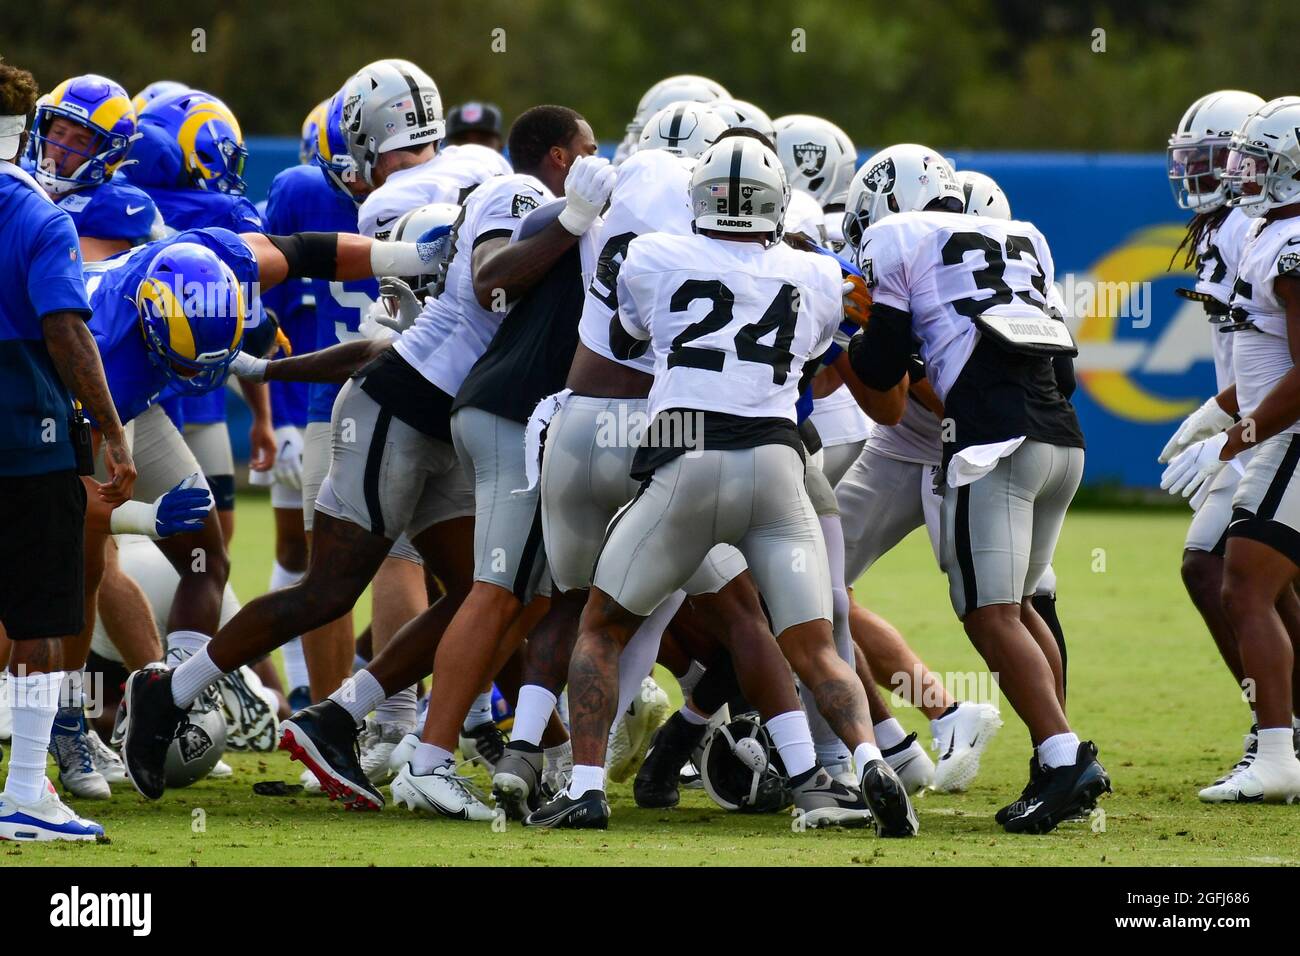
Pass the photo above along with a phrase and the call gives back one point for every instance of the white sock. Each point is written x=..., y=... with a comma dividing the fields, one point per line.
x=480, y=712
x=638, y=658
x=1058, y=751
x=691, y=717
x=793, y=741
x=190, y=641
x=586, y=778
x=398, y=710
x=35, y=700
x=295, y=664
x=889, y=733
x=193, y=676
x=1276, y=744
x=532, y=714
x=863, y=754
x=692, y=677
x=72, y=694
x=428, y=758
x=559, y=757
x=359, y=695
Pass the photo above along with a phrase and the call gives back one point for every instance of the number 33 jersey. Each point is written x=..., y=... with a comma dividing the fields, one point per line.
x=731, y=323
x=946, y=269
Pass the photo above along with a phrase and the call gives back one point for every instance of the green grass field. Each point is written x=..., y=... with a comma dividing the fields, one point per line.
x=1145, y=683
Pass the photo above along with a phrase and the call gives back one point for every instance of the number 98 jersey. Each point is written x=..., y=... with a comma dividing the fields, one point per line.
x=731, y=323
x=946, y=269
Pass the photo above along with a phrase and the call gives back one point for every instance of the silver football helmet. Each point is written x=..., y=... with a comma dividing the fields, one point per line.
x=738, y=186
x=902, y=178
x=984, y=197
x=432, y=223
x=1198, y=150
x=745, y=115
x=389, y=104
x=741, y=769
x=1263, y=169
x=684, y=87
x=817, y=155
x=683, y=129
x=198, y=744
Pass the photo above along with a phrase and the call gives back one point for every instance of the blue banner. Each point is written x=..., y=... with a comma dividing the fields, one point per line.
x=1144, y=354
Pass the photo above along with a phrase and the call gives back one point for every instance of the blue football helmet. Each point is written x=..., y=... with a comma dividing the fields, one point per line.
x=192, y=312
x=154, y=90
x=310, y=132
x=331, y=153
x=206, y=133
x=97, y=104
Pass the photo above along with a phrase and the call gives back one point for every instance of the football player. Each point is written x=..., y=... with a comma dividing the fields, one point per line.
x=684, y=87
x=722, y=289
x=972, y=289
x=1216, y=237
x=1262, y=558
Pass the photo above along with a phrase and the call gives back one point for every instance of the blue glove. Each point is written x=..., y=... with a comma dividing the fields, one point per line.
x=182, y=509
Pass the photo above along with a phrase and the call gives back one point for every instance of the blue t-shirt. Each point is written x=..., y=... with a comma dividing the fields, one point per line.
x=40, y=274
x=112, y=210
x=302, y=200
x=134, y=381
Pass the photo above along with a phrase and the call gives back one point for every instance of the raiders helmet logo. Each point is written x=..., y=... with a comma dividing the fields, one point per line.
x=810, y=158
x=1288, y=264
x=193, y=742
x=352, y=113
x=868, y=273
x=521, y=205
x=880, y=177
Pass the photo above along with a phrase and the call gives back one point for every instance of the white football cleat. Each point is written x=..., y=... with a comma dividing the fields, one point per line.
x=630, y=738
x=105, y=758
x=960, y=739
x=378, y=742
x=70, y=745
x=47, y=819
x=250, y=717
x=911, y=763
x=1250, y=747
x=1262, y=781
x=6, y=707
x=443, y=791
x=841, y=773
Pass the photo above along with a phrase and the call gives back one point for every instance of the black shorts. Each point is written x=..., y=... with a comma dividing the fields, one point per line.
x=42, y=555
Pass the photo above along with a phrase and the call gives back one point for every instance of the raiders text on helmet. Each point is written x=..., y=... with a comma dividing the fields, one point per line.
x=738, y=186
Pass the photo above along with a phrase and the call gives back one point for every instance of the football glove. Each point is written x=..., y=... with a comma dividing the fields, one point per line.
x=857, y=300
x=1207, y=420
x=287, y=469
x=400, y=304
x=1194, y=466
x=586, y=190
x=181, y=509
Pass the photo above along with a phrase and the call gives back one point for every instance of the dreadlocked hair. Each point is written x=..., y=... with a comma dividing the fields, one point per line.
x=1200, y=225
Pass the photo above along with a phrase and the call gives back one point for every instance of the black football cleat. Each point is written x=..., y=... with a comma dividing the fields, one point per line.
x=886, y=796
x=822, y=801
x=325, y=738
x=587, y=812
x=150, y=722
x=656, y=783
x=1031, y=789
x=485, y=744
x=1063, y=794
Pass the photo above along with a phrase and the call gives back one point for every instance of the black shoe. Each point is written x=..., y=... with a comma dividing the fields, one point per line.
x=1026, y=795
x=150, y=724
x=517, y=782
x=887, y=798
x=484, y=743
x=1063, y=793
x=325, y=738
x=587, y=812
x=656, y=783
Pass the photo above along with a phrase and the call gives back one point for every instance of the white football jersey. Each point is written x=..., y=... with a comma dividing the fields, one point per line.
x=804, y=214
x=918, y=437
x=447, y=177
x=1262, y=355
x=946, y=268
x=1217, y=257
x=730, y=323
x=839, y=418
x=453, y=330
x=652, y=194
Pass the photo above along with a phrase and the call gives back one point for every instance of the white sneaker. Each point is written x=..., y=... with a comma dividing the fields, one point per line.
x=1250, y=745
x=1262, y=781
x=6, y=710
x=250, y=716
x=630, y=738
x=221, y=771
x=911, y=764
x=310, y=785
x=557, y=773
x=443, y=791
x=402, y=753
x=377, y=744
x=70, y=745
x=47, y=819
x=960, y=739
x=105, y=758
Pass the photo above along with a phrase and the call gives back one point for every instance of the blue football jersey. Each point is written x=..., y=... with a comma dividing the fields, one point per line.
x=302, y=200
x=133, y=380
x=112, y=210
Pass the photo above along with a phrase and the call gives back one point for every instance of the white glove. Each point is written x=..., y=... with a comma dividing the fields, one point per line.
x=370, y=326
x=287, y=469
x=586, y=190
x=1194, y=466
x=248, y=367
x=396, y=296
x=1207, y=420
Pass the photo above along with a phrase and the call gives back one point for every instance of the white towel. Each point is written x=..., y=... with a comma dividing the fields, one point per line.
x=541, y=417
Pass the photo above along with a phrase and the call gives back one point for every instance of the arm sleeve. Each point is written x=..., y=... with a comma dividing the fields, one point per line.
x=882, y=353
x=54, y=279
x=1063, y=366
